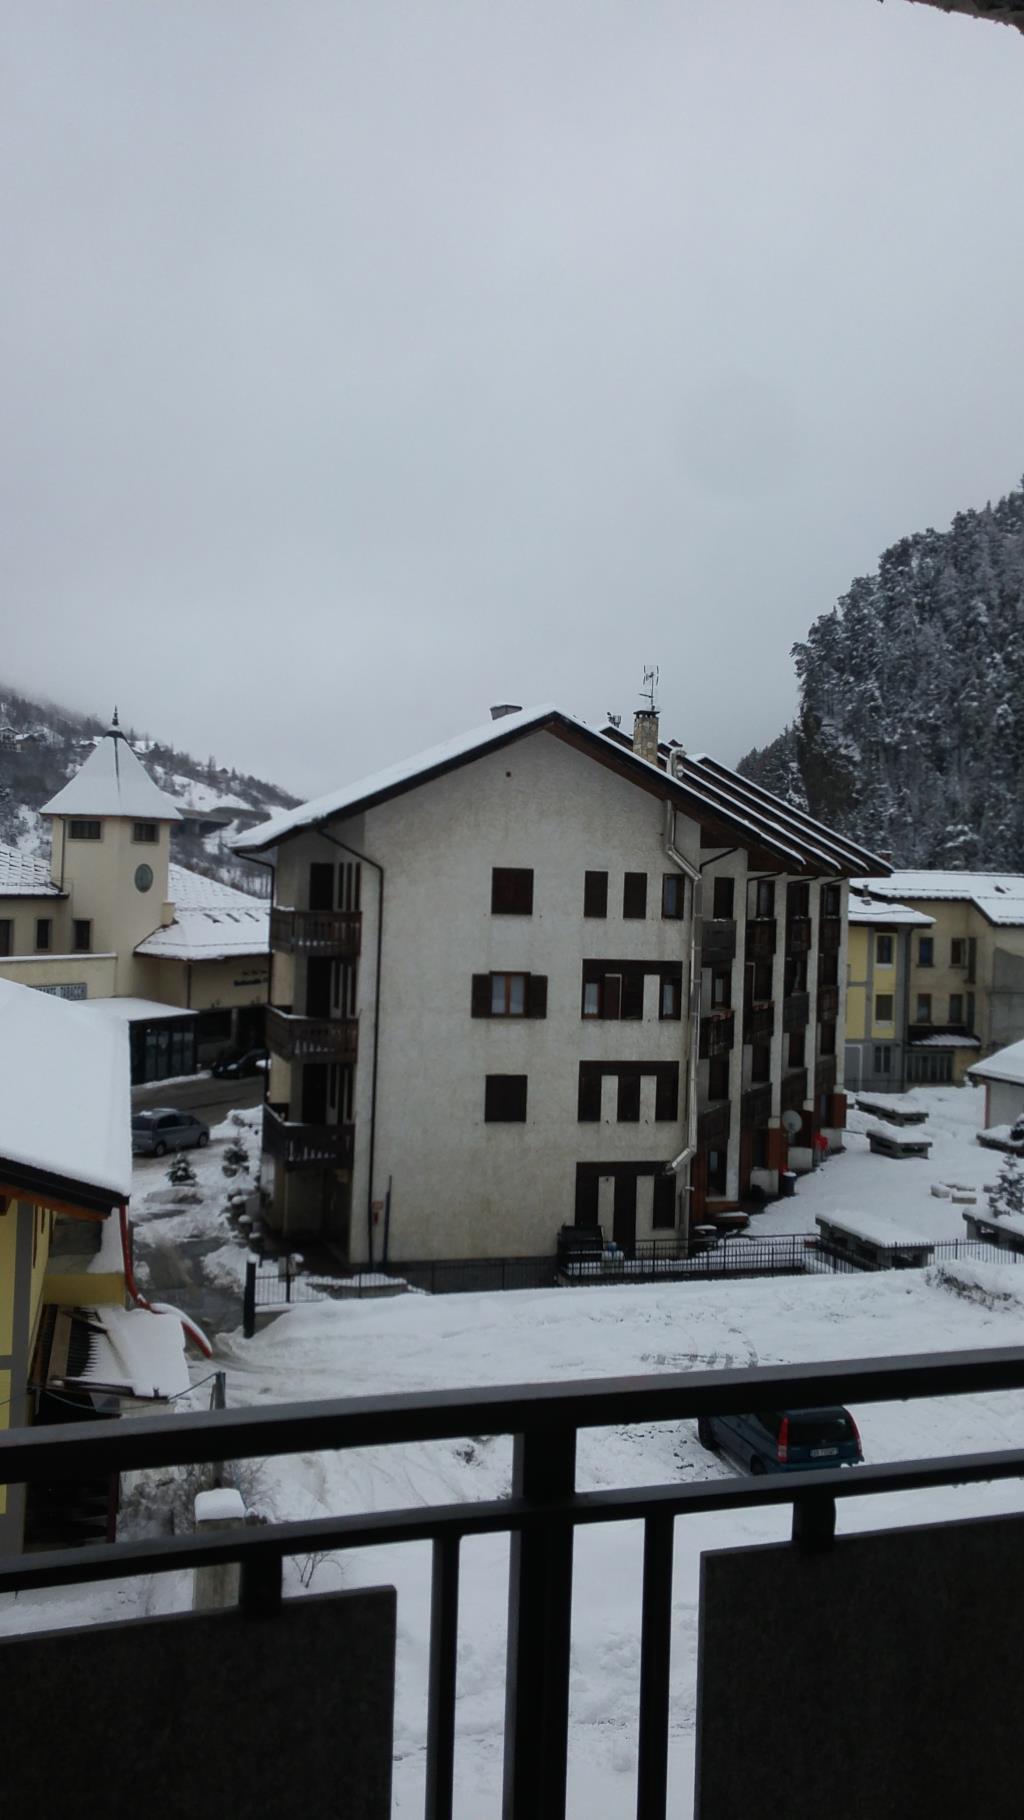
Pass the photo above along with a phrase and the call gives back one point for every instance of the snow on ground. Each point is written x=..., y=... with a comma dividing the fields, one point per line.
x=164, y=1216
x=418, y=1342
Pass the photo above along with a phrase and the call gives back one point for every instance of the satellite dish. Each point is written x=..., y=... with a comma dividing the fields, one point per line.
x=791, y=1123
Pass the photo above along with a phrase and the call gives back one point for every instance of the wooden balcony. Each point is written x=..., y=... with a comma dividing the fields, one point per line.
x=758, y=1022
x=756, y=1106
x=825, y=1074
x=794, y=1090
x=798, y=935
x=796, y=1011
x=713, y=1127
x=828, y=1004
x=717, y=1034
x=830, y=934
x=332, y=933
x=298, y=1146
x=762, y=937
x=718, y=941
x=308, y=1039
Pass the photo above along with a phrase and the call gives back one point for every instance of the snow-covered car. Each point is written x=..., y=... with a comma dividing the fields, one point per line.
x=161, y=1129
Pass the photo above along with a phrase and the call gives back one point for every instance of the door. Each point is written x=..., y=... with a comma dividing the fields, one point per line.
x=321, y=885
x=318, y=986
x=624, y=1213
x=746, y=1160
x=314, y=1093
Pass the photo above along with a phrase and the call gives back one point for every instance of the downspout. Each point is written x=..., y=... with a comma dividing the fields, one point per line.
x=672, y=852
x=378, y=868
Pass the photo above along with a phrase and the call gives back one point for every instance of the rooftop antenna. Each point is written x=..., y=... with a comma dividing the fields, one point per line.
x=614, y=720
x=651, y=677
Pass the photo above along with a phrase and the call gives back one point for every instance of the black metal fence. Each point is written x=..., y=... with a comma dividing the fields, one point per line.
x=540, y=1517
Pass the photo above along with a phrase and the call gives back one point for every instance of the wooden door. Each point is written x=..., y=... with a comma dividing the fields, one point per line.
x=624, y=1213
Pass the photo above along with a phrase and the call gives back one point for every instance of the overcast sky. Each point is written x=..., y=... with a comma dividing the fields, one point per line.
x=365, y=362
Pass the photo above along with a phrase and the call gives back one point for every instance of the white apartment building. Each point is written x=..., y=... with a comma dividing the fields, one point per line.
x=540, y=976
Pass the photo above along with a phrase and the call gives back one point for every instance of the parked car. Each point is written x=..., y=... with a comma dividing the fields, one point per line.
x=161, y=1129
x=234, y=1067
x=785, y=1440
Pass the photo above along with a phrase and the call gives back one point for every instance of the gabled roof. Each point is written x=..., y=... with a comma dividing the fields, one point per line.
x=65, y=1111
x=1006, y=1065
x=211, y=921
x=730, y=810
x=23, y=875
x=999, y=896
x=112, y=781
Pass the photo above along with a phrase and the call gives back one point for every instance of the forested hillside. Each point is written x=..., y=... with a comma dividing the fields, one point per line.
x=910, y=730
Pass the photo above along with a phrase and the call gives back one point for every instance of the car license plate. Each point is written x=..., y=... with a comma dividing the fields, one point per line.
x=823, y=1453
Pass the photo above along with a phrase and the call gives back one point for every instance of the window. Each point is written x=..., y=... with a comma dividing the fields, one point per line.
x=956, y=1007
x=588, y=1103
x=663, y=1214
x=634, y=895
x=883, y=1008
x=666, y=1093
x=592, y=997
x=883, y=950
x=798, y=900
x=145, y=831
x=42, y=932
x=85, y=830
x=510, y=995
x=627, y=1109
x=764, y=897
x=672, y=895
x=6, y=935
x=934, y=1066
x=718, y=1077
x=511, y=891
x=722, y=903
x=797, y=1053
x=505, y=1099
x=721, y=990
x=958, y=952
x=760, y=1062
x=81, y=933
x=670, y=1002
x=831, y=899
x=883, y=1059
x=923, y=1014
x=925, y=951
x=595, y=894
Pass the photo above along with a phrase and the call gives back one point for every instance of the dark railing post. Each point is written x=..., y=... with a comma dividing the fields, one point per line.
x=259, y=1590
x=249, y=1299
x=655, y=1651
x=539, y=1626
x=444, y=1634
x=814, y=1523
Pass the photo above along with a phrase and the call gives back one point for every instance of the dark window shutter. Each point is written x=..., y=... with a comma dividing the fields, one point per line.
x=595, y=894
x=723, y=898
x=511, y=891
x=589, y=1106
x=666, y=1095
x=664, y=1214
x=481, y=995
x=586, y=1195
x=537, y=995
x=673, y=898
x=633, y=995
x=634, y=894
x=612, y=995
x=505, y=1098
x=321, y=885
x=628, y=1108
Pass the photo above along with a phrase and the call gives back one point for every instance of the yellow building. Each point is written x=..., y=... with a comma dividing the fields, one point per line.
x=878, y=962
x=111, y=919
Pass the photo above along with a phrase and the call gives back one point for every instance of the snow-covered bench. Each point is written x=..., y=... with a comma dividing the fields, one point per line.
x=873, y=1241
x=1000, y=1137
x=1006, y=1230
x=883, y=1141
x=895, y=1111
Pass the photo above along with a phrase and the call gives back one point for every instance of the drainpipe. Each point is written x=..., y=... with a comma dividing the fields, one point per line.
x=378, y=868
x=672, y=852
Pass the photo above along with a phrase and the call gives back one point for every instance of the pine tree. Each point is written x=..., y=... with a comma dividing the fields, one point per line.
x=1007, y=1192
x=181, y=1172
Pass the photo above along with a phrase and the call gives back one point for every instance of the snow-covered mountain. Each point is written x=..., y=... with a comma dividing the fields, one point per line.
x=910, y=730
x=41, y=746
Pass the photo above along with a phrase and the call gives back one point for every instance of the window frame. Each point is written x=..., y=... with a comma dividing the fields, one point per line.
x=499, y=1094
x=507, y=986
x=926, y=942
x=77, y=824
x=673, y=897
x=44, y=945
x=670, y=989
x=503, y=887
x=886, y=959
x=885, y=998
x=78, y=946
x=923, y=1017
x=145, y=834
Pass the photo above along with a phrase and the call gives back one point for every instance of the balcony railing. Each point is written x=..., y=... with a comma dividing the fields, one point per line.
x=540, y=1517
x=828, y=1004
x=825, y=1074
x=303, y=1039
x=713, y=1127
x=830, y=934
x=761, y=938
x=717, y=1033
x=756, y=1106
x=798, y=935
x=758, y=1022
x=299, y=1146
x=796, y=1011
x=334, y=933
x=794, y=1090
x=718, y=941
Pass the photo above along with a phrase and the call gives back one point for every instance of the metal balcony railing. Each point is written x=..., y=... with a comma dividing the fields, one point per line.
x=796, y=1011
x=717, y=1033
x=794, y=1090
x=798, y=935
x=828, y=1004
x=761, y=938
x=334, y=933
x=713, y=1126
x=540, y=1516
x=305, y=1039
x=825, y=1074
x=756, y=1106
x=758, y=1022
x=300, y=1146
x=718, y=941
x=830, y=934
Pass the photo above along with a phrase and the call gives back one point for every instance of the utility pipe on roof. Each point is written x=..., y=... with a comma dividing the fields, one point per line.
x=672, y=852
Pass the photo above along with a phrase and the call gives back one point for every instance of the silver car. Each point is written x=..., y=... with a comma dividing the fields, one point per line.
x=161, y=1129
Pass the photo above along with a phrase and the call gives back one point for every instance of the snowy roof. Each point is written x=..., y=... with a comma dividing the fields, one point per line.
x=865, y=909
x=877, y=1228
x=946, y=1039
x=998, y=895
x=65, y=1110
x=112, y=781
x=132, y=1010
x=211, y=921
x=1005, y=1065
x=138, y=1353
x=702, y=788
x=1009, y=1222
x=23, y=875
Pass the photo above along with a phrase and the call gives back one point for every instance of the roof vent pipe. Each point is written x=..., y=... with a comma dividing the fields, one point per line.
x=506, y=707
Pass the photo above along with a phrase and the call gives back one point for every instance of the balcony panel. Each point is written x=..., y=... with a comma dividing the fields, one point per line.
x=825, y=1074
x=796, y=1011
x=798, y=935
x=713, y=1127
x=761, y=938
x=717, y=1034
x=305, y=1039
x=828, y=1004
x=794, y=1090
x=830, y=934
x=331, y=933
x=299, y=1146
x=758, y=1022
x=718, y=941
x=756, y=1106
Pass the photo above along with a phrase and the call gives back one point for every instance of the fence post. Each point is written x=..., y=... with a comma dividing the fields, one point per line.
x=249, y=1299
x=539, y=1623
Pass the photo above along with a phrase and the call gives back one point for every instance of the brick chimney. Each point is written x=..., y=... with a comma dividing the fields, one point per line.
x=645, y=734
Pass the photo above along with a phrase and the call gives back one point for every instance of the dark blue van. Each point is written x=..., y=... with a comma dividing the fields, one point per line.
x=785, y=1440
